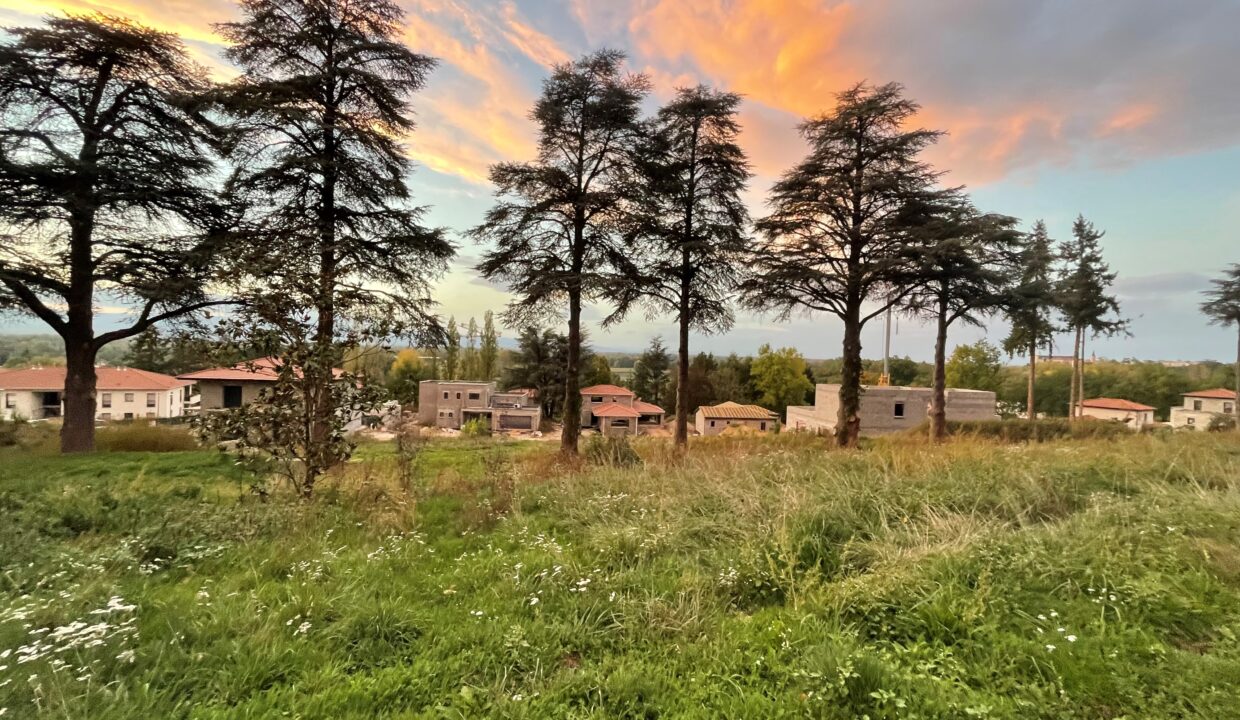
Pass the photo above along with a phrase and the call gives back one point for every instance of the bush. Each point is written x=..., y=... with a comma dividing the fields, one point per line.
x=1221, y=423
x=475, y=428
x=142, y=437
x=611, y=451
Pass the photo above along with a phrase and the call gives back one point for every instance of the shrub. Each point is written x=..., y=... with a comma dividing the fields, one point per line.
x=1221, y=423
x=475, y=428
x=611, y=451
x=142, y=437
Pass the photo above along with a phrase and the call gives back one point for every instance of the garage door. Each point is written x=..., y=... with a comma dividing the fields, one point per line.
x=518, y=422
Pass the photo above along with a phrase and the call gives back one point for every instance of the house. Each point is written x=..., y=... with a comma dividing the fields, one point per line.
x=714, y=419
x=452, y=403
x=1134, y=415
x=614, y=410
x=120, y=394
x=223, y=388
x=889, y=409
x=1201, y=407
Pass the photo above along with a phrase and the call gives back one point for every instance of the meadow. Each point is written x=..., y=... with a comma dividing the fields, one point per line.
x=754, y=578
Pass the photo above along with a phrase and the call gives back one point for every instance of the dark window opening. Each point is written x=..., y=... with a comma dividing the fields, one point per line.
x=899, y=410
x=232, y=396
x=1196, y=404
x=150, y=399
x=475, y=396
x=107, y=400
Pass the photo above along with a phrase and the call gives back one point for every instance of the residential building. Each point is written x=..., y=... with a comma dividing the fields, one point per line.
x=222, y=388
x=614, y=410
x=37, y=393
x=889, y=409
x=451, y=404
x=1201, y=407
x=714, y=419
x=1133, y=414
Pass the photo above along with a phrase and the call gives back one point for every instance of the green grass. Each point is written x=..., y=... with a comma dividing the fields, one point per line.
x=758, y=577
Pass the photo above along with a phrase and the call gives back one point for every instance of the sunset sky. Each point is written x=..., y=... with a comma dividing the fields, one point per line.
x=1125, y=110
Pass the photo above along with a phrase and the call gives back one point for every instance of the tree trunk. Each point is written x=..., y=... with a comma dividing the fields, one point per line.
x=1080, y=380
x=1030, y=406
x=938, y=394
x=572, y=377
x=682, y=365
x=1076, y=364
x=848, y=422
x=77, y=433
x=1236, y=379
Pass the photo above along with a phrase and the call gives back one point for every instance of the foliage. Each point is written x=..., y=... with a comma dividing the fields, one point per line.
x=451, y=365
x=1032, y=303
x=611, y=451
x=475, y=428
x=650, y=374
x=488, y=355
x=554, y=228
x=140, y=436
x=780, y=377
x=1040, y=430
x=841, y=234
x=406, y=372
x=102, y=163
x=1222, y=306
x=975, y=367
x=758, y=577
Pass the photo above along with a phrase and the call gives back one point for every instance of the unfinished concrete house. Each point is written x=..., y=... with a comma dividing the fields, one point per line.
x=714, y=419
x=452, y=403
x=613, y=411
x=889, y=409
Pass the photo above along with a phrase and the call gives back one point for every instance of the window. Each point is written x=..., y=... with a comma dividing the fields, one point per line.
x=232, y=396
x=596, y=398
x=129, y=416
x=10, y=401
x=762, y=425
x=1192, y=421
x=1196, y=404
x=150, y=399
x=445, y=394
x=107, y=400
x=712, y=423
x=449, y=413
x=899, y=410
x=150, y=414
x=1228, y=408
x=475, y=396
x=128, y=397
x=106, y=416
x=458, y=396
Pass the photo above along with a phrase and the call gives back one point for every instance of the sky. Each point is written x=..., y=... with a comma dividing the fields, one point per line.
x=1126, y=111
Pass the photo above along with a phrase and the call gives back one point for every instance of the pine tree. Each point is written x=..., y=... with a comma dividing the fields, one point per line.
x=1222, y=306
x=102, y=165
x=1032, y=305
x=554, y=228
x=1083, y=299
x=836, y=240
x=694, y=220
x=148, y=351
x=650, y=373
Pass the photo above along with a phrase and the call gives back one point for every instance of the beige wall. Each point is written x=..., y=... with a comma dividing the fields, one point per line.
x=168, y=404
x=1135, y=419
x=26, y=404
x=588, y=403
x=1189, y=416
x=879, y=407
x=212, y=392
x=704, y=427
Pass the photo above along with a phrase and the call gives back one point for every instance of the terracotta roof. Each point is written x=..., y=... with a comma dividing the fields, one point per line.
x=646, y=408
x=607, y=390
x=1215, y=394
x=736, y=411
x=614, y=410
x=1115, y=404
x=258, y=370
x=106, y=378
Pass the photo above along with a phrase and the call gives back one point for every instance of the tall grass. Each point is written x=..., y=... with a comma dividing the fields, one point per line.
x=750, y=577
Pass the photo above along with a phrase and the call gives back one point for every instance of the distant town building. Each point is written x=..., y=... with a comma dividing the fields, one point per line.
x=1133, y=414
x=613, y=410
x=714, y=419
x=1064, y=359
x=120, y=394
x=452, y=403
x=1200, y=408
x=223, y=388
x=889, y=409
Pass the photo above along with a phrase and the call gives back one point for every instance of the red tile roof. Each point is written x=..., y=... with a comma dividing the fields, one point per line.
x=607, y=390
x=1215, y=394
x=736, y=411
x=646, y=408
x=614, y=410
x=258, y=370
x=107, y=378
x=1115, y=404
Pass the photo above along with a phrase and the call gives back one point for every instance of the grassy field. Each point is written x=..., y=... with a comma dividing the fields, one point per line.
x=757, y=578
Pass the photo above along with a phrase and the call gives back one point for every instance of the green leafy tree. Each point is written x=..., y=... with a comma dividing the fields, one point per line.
x=964, y=270
x=451, y=364
x=1222, y=306
x=598, y=372
x=977, y=366
x=317, y=118
x=837, y=239
x=489, y=354
x=554, y=227
x=732, y=381
x=471, y=361
x=650, y=374
x=693, y=220
x=1031, y=306
x=408, y=369
x=779, y=376
x=1084, y=299
x=103, y=167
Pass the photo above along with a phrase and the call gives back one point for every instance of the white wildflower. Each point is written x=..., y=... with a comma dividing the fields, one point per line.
x=1071, y=638
x=1050, y=648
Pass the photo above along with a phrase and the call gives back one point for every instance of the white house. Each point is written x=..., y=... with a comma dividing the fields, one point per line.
x=1202, y=406
x=1133, y=414
x=120, y=394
